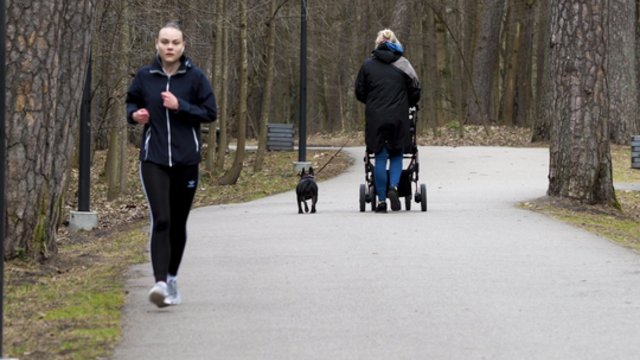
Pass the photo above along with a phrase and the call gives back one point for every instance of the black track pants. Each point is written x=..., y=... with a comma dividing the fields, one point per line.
x=170, y=192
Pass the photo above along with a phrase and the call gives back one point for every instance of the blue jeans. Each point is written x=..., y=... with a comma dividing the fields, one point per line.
x=380, y=172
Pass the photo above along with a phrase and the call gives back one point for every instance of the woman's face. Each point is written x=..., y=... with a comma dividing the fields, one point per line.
x=170, y=45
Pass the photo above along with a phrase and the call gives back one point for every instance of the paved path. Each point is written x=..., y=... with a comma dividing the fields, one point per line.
x=472, y=278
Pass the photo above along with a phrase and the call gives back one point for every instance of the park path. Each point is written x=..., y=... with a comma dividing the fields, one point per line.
x=473, y=278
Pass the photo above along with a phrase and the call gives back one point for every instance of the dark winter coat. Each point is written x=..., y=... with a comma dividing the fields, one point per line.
x=172, y=137
x=387, y=84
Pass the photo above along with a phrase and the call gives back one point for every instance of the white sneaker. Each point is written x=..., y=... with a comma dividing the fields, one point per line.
x=173, y=297
x=158, y=294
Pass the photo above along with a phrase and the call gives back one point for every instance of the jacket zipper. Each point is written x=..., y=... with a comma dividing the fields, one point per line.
x=166, y=111
x=167, y=88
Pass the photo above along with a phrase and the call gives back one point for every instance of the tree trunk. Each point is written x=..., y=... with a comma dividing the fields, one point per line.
x=47, y=55
x=637, y=49
x=485, y=63
x=542, y=121
x=622, y=76
x=232, y=175
x=580, y=161
x=513, y=42
x=432, y=31
x=524, y=100
x=456, y=65
x=117, y=164
x=265, y=109
x=212, y=140
x=223, y=94
x=401, y=18
x=104, y=45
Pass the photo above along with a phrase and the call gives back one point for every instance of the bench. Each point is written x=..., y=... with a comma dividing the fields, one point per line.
x=279, y=137
x=635, y=152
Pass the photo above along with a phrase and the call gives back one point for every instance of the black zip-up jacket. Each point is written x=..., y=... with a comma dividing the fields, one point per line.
x=388, y=86
x=172, y=137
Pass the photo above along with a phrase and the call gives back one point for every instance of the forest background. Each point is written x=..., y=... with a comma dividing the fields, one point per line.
x=571, y=66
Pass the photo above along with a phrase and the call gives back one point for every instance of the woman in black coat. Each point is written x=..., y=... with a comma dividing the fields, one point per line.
x=388, y=86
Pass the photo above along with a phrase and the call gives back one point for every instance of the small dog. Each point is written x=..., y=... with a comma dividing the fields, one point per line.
x=307, y=189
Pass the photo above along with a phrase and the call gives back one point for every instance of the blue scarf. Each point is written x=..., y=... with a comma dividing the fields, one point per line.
x=395, y=47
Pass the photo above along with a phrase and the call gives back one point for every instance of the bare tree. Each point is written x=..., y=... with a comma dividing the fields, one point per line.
x=480, y=100
x=513, y=40
x=232, y=175
x=223, y=93
x=116, y=166
x=542, y=121
x=580, y=161
x=265, y=109
x=524, y=98
x=216, y=144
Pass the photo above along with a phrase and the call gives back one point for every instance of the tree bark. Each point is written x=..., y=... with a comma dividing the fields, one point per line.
x=525, y=105
x=47, y=55
x=233, y=174
x=622, y=77
x=223, y=93
x=480, y=102
x=432, y=34
x=117, y=164
x=580, y=161
x=542, y=121
x=401, y=20
x=265, y=109
x=214, y=143
x=513, y=42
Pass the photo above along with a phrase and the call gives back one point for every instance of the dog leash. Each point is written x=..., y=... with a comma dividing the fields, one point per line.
x=332, y=157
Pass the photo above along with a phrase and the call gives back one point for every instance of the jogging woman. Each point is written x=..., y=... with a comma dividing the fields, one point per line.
x=170, y=98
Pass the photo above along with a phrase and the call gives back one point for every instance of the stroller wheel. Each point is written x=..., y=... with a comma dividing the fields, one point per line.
x=363, y=197
x=423, y=197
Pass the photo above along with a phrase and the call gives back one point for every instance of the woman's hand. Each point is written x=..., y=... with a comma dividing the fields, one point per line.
x=141, y=116
x=169, y=100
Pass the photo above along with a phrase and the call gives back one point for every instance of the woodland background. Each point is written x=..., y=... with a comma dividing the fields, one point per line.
x=567, y=70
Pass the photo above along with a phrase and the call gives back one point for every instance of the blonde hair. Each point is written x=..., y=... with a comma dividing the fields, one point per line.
x=386, y=35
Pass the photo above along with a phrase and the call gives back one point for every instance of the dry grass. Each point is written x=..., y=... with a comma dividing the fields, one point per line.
x=69, y=306
x=619, y=225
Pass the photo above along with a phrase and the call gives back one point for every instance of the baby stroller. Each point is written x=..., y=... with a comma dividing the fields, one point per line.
x=409, y=175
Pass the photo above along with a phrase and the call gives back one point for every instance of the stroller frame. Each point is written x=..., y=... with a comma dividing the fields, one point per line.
x=409, y=178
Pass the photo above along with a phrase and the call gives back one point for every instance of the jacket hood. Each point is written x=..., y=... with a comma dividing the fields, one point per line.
x=388, y=54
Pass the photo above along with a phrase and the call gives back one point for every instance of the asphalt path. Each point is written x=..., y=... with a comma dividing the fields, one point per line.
x=474, y=277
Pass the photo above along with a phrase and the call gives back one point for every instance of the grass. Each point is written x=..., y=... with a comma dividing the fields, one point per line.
x=70, y=306
x=622, y=171
x=620, y=226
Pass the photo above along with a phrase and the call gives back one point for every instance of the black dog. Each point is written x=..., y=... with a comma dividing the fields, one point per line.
x=307, y=189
